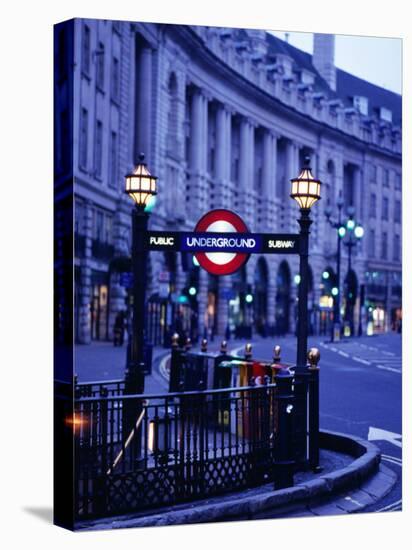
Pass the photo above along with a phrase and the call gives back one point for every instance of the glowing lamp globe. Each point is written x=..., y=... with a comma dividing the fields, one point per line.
x=141, y=185
x=305, y=188
x=359, y=231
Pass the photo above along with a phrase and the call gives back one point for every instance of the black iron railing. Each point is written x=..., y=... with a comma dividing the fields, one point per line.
x=206, y=437
x=180, y=446
x=102, y=388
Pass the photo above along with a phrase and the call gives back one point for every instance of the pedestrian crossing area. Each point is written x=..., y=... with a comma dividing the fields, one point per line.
x=366, y=354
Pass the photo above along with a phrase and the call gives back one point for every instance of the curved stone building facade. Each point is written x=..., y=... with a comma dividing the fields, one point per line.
x=225, y=118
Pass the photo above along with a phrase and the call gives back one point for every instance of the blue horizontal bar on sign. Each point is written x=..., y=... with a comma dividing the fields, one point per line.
x=248, y=243
x=240, y=243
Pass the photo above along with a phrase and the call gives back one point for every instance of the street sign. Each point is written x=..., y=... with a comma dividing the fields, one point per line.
x=221, y=242
x=234, y=249
x=250, y=243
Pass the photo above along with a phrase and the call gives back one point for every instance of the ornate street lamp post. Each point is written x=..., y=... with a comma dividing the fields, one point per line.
x=306, y=191
x=355, y=233
x=340, y=232
x=141, y=187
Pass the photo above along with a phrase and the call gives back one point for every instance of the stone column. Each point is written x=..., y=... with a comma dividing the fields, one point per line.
x=244, y=166
x=198, y=147
x=221, y=144
x=85, y=289
x=251, y=183
x=269, y=178
x=359, y=199
x=292, y=157
x=144, y=103
x=228, y=148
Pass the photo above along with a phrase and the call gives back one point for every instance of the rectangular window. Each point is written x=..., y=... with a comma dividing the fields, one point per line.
x=115, y=88
x=84, y=122
x=398, y=182
x=79, y=217
x=385, y=177
x=372, y=173
x=65, y=146
x=384, y=251
x=108, y=228
x=372, y=206
x=396, y=248
x=372, y=243
x=86, y=50
x=113, y=160
x=100, y=66
x=62, y=59
x=98, y=149
x=385, y=208
x=98, y=225
x=398, y=211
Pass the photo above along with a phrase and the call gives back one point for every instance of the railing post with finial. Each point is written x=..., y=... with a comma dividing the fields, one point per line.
x=313, y=390
x=286, y=403
x=175, y=364
x=276, y=366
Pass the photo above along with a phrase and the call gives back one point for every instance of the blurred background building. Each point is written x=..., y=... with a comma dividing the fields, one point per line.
x=225, y=117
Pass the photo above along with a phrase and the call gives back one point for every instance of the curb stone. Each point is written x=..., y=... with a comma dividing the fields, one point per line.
x=363, y=489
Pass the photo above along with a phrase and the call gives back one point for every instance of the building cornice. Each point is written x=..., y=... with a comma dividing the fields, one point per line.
x=193, y=44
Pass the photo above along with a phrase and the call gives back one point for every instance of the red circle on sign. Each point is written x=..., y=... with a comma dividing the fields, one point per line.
x=202, y=226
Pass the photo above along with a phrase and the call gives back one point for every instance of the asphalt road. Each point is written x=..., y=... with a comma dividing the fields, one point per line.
x=360, y=394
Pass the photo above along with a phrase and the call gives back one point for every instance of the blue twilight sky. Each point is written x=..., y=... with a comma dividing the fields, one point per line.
x=378, y=60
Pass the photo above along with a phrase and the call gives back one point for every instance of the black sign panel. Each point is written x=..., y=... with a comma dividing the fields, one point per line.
x=241, y=243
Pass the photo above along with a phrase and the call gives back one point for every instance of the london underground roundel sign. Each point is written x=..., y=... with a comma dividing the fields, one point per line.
x=222, y=222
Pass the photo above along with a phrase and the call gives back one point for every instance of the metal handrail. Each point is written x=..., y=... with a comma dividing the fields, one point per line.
x=175, y=394
x=101, y=382
x=129, y=438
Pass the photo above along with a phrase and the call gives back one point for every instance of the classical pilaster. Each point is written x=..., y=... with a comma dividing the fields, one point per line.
x=221, y=146
x=198, y=151
x=292, y=169
x=269, y=179
x=144, y=102
x=244, y=167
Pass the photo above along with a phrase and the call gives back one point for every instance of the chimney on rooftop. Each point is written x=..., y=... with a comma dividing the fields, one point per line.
x=324, y=57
